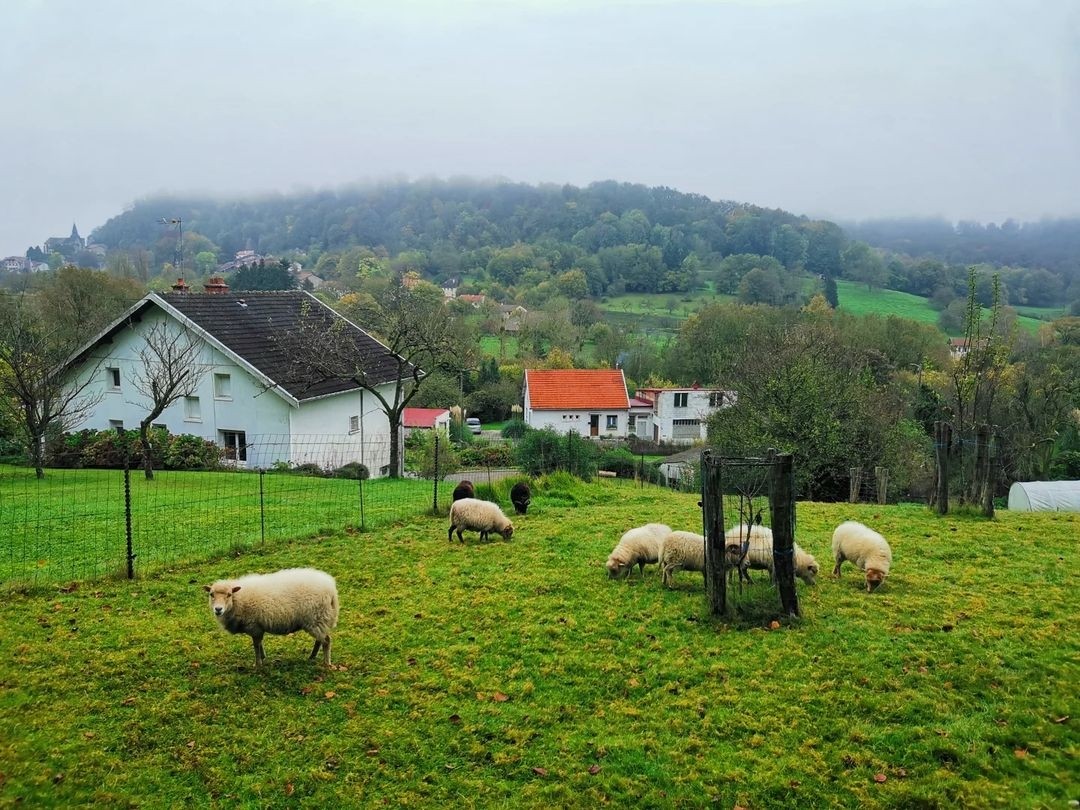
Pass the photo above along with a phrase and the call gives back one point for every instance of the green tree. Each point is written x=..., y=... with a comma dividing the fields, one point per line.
x=263, y=277
x=861, y=263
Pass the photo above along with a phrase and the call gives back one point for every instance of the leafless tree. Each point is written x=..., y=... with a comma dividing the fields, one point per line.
x=37, y=391
x=167, y=370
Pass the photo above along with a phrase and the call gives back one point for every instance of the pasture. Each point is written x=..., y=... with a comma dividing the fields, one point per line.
x=518, y=675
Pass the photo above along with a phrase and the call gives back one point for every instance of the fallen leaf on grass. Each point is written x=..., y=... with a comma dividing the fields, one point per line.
x=455, y=718
x=880, y=777
x=900, y=773
x=1021, y=753
x=594, y=769
x=774, y=625
x=128, y=701
x=1061, y=719
x=191, y=744
x=540, y=771
x=499, y=697
x=794, y=783
x=289, y=788
x=330, y=695
x=371, y=752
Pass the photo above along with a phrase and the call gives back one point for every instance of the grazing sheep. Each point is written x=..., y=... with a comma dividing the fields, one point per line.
x=681, y=550
x=464, y=490
x=637, y=547
x=478, y=516
x=521, y=497
x=752, y=547
x=864, y=547
x=279, y=603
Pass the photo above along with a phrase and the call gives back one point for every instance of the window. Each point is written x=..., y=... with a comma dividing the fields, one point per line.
x=354, y=424
x=192, y=412
x=612, y=421
x=682, y=399
x=112, y=379
x=716, y=399
x=222, y=386
x=631, y=421
x=117, y=425
x=235, y=444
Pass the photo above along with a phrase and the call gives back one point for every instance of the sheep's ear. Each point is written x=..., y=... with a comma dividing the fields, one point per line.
x=206, y=588
x=235, y=588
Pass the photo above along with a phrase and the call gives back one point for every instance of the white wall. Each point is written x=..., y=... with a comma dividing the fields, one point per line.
x=578, y=421
x=320, y=431
x=697, y=407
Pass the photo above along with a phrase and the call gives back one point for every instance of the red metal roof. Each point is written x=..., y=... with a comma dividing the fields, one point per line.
x=421, y=417
x=576, y=389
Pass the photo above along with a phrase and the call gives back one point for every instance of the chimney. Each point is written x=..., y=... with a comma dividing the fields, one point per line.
x=216, y=284
x=181, y=286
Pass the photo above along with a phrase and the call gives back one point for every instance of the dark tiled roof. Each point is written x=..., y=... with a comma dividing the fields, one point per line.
x=251, y=323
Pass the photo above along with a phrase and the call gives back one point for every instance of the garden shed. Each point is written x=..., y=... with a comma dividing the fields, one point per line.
x=1045, y=496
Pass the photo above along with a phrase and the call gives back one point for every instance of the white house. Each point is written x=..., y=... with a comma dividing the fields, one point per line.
x=247, y=400
x=679, y=415
x=591, y=402
x=425, y=419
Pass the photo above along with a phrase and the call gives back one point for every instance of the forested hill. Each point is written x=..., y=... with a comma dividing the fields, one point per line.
x=453, y=223
x=1053, y=244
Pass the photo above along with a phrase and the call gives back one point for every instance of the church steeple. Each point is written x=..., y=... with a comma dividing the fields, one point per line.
x=75, y=232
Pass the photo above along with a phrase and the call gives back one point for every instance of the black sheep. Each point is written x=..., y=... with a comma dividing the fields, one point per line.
x=520, y=496
x=464, y=490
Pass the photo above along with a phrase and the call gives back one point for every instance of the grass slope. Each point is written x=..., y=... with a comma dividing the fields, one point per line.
x=517, y=675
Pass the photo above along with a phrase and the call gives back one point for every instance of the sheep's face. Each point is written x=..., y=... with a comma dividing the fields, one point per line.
x=874, y=578
x=617, y=567
x=221, y=597
x=733, y=554
x=508, y=532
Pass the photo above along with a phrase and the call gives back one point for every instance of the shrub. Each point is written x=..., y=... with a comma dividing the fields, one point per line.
x=544, y=451
x=495, y=454
x=619, y=461
x=187, y=452
x=354, y=470
x=515, y=429
x=420, y=458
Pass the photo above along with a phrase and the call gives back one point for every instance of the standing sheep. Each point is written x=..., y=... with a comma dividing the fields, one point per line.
x=464, y=490
x=681, y=550
x=864, y=547
x=478, y=516
x=637, y=547
x=521, y=497
x=752, y=547
x=279, y=603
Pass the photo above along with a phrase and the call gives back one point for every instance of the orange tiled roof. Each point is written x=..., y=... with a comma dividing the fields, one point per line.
x=576, y=389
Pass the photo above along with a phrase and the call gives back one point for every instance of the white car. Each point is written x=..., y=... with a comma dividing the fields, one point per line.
x=473, y=424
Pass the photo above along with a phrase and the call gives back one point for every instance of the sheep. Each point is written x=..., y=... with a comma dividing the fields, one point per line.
x=752, y=547
x=864, y=547
x=464, y=490
x=478, y=516
x=681, y=550
x=279, y=603
x=521, y=497
x=637, y=547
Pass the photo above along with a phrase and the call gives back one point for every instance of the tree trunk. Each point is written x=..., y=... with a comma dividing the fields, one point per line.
x=395, y=455
x=37, y=455
x=144, y=440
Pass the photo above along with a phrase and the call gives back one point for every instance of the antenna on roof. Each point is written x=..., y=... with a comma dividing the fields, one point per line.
x=179, y=223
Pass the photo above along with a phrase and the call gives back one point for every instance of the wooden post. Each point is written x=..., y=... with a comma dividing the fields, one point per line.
x=855, y=484
x=882, y=474
x=782, y=506
x=942, y=437
x=712, y=519
x=974, y=493
x=986, y=477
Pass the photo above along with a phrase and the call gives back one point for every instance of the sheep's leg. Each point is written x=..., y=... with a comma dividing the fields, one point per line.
x=326, y=649
x=836, y=568
x=460, y=536
x=260, y=655
x=483, y=536
x=315, y=649
x=450, y=534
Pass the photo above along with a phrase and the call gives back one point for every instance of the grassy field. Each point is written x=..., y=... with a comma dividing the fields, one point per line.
x=517, y=675
x=505, y=348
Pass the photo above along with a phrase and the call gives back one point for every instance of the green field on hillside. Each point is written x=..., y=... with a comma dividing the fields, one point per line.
x=517, y=675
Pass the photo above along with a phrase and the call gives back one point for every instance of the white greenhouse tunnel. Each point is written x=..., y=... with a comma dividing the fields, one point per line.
x=1045, y=496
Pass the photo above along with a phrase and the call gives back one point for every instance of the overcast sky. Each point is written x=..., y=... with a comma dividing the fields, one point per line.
x=848, y=109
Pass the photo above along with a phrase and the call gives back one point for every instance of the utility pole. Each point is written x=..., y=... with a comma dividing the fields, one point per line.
x=179, y=223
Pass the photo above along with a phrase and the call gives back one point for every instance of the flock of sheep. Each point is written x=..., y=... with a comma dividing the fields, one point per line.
x=746, y=547
x=306, y=599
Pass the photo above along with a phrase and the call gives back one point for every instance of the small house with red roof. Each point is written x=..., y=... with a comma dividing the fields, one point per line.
x=590, y=402
x=425, y=419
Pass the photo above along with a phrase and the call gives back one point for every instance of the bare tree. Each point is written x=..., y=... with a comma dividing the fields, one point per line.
x=414, y=324
x=166, y=371
x=36, y=390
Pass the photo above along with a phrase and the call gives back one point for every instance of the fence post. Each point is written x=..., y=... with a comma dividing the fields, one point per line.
x=855, y=484
x=360, y=481
x=127, y=516
x=782, y=506
x=262, y=508
x=712, y=517
x=882, y=474
x=435, y=492
x=985, y=474
x=942, y=437
x=570, y=452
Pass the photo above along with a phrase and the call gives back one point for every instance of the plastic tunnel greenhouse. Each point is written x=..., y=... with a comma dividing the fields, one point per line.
x=1045, y=496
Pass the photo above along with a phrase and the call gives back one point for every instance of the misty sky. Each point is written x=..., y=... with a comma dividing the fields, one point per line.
x=847, y=109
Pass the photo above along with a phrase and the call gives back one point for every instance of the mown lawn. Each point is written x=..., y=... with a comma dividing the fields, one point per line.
x=517, y=675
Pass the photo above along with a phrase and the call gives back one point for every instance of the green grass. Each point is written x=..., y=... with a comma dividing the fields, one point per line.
x=508, y=349
x=517, y=675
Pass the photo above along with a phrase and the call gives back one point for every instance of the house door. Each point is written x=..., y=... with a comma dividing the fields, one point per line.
x=594, y=424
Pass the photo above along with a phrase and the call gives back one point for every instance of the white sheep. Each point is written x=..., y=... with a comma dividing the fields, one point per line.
x=279, y=603
x=638, y=546
x=752, y=547
x=476, y=515
x=864, y=547
x=681, y=551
